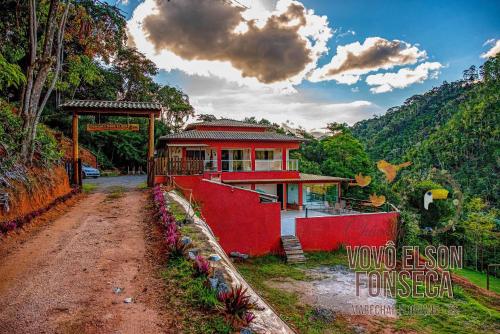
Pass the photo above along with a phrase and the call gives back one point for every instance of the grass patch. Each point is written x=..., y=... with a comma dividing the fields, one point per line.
x=142, y=186
x=479, y=278
x=108, y=173
x=197, y=291
x=200, y=301
x=115, y=192
x=88, y=187
x=461, y=314
x=177, y=210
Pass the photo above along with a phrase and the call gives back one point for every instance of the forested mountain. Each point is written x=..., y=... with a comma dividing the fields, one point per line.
x=390, y=136
x=453, y=127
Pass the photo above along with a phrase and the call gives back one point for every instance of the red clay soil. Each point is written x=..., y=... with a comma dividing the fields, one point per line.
x=61, y=278
x=46, y=186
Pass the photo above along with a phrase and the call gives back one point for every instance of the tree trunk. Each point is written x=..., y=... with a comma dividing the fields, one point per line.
x=38, y=71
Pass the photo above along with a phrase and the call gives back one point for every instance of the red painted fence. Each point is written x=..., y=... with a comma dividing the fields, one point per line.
x=236, y=216
x=329, y=233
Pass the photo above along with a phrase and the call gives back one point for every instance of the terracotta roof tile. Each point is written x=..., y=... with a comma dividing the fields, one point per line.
x=230, y=135
x=126, y=105
x=225, y=122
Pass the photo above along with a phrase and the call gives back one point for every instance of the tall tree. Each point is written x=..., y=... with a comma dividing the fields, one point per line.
x=59, y=29
x=41, y=62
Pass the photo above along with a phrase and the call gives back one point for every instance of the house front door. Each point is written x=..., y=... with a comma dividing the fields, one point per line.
x=225, y=160
x=279, y=193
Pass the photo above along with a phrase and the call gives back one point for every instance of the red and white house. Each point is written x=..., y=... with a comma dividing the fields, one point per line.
x=248, y=170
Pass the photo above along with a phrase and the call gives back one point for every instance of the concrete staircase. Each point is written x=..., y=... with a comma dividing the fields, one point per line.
x=293, y=249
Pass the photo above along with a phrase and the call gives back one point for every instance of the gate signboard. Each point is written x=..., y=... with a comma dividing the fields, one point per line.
x=112, y=127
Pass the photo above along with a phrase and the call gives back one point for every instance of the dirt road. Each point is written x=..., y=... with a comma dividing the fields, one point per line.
x=61, y=279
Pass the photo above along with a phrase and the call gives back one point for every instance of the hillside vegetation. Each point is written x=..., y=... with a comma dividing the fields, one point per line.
x=454, y=127
x=452, y=137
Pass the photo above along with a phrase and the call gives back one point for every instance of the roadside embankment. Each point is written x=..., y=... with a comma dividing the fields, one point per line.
x=29, y=198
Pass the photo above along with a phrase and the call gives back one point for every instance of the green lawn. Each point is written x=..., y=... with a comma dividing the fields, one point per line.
x=479, y=278
x=88, y=187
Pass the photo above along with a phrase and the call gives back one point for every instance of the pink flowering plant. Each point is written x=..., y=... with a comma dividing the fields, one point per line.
x=201, y=266
x=237, y=305
x=167, y=221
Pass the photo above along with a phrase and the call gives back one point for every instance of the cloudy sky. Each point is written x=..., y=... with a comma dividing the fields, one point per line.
x=310, y=62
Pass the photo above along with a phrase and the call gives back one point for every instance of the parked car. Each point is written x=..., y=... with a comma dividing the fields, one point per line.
x=89, y=171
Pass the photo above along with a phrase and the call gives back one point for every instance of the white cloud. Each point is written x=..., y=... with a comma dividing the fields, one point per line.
x=300, y=110
x=493, y=51
x=355, y=59
x=340, y=33
x=315, y=33
x=489, y=41
x=386, y=82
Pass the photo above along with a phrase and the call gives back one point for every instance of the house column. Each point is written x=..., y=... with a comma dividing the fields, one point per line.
x=219, y=159
x=252, y=186
x=151, y=150
x=301, y=198
x=283, y=157
x=76, y=174
x=284, y=196
x=252, y=158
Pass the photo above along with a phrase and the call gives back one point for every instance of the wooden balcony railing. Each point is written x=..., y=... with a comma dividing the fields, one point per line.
x=178, y=166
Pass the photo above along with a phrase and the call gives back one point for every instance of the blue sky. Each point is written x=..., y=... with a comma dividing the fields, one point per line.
x=445, y=37
x=452, y=32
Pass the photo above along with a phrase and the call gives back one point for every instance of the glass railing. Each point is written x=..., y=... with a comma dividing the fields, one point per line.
x=292, y=164
x=246, y=165
x=263, y=165
x=236, y=165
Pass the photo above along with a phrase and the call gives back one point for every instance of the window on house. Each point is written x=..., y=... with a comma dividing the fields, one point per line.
x=264, y=155
x=195, y=154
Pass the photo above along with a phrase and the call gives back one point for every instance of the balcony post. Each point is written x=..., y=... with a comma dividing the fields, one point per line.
x=76, y=176
x=284, y=196
x=252, y=158
x=219, y=159
x=301, y=198
x=283, y=157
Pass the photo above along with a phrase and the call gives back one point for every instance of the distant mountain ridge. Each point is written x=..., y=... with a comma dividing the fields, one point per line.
x=455, y=127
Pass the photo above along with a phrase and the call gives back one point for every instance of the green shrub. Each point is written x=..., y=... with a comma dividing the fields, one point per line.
x=47, y=152
x=47, y=147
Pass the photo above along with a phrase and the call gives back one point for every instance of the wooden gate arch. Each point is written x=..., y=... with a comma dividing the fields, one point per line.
x=112, y=108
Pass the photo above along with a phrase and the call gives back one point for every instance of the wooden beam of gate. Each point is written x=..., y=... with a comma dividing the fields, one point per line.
x=76, y=176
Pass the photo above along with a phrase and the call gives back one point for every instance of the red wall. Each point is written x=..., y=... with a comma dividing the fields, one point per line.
x=236, y=216
x=328, y=233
